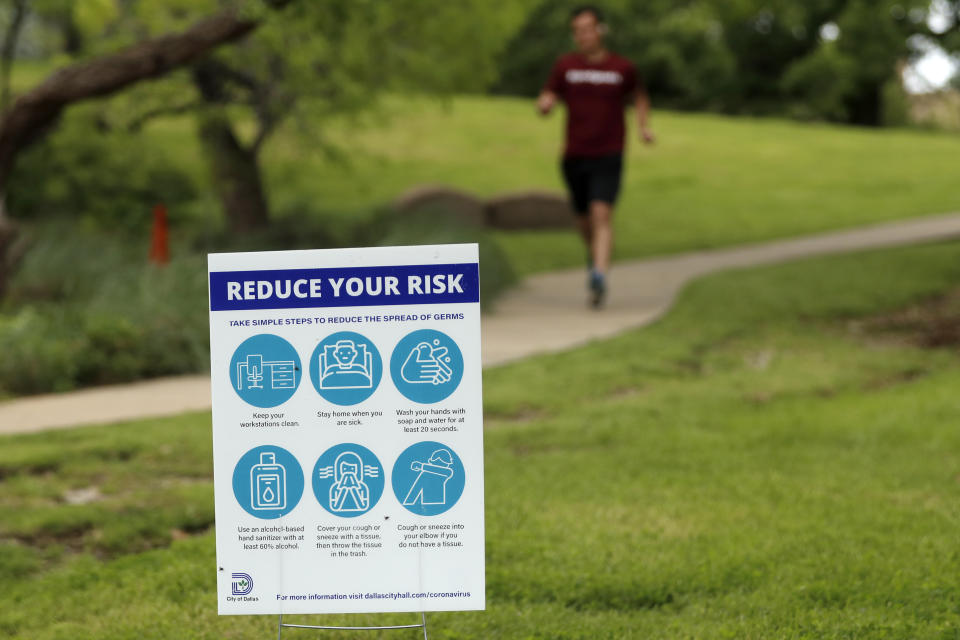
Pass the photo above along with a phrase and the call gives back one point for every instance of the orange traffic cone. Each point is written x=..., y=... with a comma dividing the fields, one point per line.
x=160, y=237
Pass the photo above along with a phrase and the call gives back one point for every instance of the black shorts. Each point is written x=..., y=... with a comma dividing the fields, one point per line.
x=592, y=178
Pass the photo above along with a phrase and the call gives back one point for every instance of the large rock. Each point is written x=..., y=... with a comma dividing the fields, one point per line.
x=531, y=209
x=442, y=200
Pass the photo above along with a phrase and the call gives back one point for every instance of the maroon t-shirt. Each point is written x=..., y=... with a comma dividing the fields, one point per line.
x=595, y=94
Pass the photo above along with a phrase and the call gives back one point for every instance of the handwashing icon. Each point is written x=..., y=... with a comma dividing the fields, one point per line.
x=427, y=364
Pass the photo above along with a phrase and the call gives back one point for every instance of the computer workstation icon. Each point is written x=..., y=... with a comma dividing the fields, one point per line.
x=257, y=373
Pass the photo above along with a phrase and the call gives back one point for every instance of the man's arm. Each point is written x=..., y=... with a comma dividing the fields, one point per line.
x=642, y=105
x=552, y=89
x=545, y=101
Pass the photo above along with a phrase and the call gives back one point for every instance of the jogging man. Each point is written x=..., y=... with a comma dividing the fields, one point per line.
x=596, y=86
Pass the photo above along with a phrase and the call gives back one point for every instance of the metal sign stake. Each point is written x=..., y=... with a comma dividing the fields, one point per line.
x=281, y=625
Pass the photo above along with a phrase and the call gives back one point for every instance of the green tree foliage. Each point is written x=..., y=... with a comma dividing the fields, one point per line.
x=814, y=59
x=308, y=62
x=90, y=163
x=948, y=36
x=816, y=86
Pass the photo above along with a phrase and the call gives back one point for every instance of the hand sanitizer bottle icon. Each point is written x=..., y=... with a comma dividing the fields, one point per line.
x=268, y=484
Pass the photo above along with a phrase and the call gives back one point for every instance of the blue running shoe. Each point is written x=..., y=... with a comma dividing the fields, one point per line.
x=598, y=289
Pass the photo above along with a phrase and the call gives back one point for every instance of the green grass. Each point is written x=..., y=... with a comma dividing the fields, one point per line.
x=709, y=181
x=759, y=464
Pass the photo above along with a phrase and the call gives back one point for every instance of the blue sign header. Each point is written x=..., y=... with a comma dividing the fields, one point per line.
x=344, y=287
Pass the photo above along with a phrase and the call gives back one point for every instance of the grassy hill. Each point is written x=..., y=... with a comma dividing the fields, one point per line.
x=709, y=180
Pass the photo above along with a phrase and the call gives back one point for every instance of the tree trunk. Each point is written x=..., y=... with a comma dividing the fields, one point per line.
x=866, y=105
x=235, y=168
x=72, y=38
x=8, y=235
x=236, y=173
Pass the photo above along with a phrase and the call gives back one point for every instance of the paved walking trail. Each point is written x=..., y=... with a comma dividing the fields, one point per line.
x=545, y=313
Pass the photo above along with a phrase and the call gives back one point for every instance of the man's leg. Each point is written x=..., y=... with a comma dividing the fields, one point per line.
x=600, y=242
x=604, y=187
x=585, y=227
x=578, y=186
x=601, y=235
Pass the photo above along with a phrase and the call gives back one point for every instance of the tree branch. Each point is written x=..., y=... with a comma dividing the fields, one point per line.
x=167, y=110
x=267, y=124
x=39, y=107
x=214, y=79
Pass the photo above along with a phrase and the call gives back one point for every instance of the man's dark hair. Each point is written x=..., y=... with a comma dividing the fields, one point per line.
x=587, y=8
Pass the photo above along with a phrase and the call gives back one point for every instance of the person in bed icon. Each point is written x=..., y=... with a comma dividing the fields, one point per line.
x=345, y=368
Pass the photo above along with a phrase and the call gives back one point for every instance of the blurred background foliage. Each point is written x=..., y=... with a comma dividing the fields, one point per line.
x=836, y=60
x=302, y=133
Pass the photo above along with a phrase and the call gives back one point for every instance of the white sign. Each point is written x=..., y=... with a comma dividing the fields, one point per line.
x=347, y=430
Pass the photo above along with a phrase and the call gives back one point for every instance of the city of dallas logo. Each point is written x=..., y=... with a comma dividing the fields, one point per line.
x=241, y=584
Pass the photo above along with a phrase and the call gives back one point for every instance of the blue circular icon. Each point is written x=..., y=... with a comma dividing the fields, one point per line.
x=268, y=482
x=426, y=366
x=345, y=368
x=428, y=478
x=265, y=370
x=348, y=480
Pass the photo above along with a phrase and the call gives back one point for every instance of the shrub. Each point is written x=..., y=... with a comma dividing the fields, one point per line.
x=93, y=311
x=86, y=308
x=104, y=175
